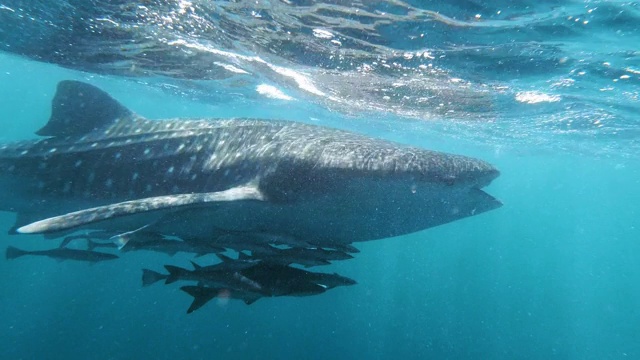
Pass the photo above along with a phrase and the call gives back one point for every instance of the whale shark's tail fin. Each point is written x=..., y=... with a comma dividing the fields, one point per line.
x=79, y=108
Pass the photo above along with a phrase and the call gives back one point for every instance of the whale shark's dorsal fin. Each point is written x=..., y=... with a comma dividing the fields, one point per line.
x=79, y=108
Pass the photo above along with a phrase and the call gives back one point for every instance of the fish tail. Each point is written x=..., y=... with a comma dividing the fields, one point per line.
x=13, y=252
x=201, y=295
x=150, y=277
x=120, y=240
x=175, y=273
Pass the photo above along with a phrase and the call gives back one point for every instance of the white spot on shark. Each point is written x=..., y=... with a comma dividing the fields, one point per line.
x=135, y=176
x=78, y=163
x=108, y=183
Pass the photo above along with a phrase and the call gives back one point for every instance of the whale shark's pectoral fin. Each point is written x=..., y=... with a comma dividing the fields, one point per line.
x=141, y=206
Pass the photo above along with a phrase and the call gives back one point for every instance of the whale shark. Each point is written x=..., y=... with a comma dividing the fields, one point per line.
x=99, y=166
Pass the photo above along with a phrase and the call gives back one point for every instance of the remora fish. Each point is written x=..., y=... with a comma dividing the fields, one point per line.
x=61, y=254
x=104, y=168
x=282, y=280
x=307, y=257
x=144, y=241
x=214, y=276
x=278, y=280
x=274, y=280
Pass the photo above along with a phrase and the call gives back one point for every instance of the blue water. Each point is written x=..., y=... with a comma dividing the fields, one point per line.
x=551, y=101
